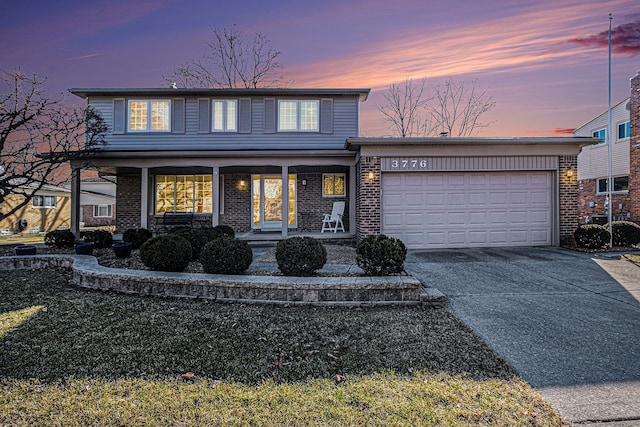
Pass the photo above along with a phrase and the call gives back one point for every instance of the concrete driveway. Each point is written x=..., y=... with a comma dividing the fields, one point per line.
x=568, y=322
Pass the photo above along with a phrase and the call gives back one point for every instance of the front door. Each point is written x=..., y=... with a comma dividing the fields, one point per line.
x=266, y=191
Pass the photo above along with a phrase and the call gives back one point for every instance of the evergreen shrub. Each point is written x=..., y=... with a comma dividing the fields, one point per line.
x=300, y=256
x=168, y=252
x=60, y=238
x=226, y=255
x=591, y=236
x=379, y=255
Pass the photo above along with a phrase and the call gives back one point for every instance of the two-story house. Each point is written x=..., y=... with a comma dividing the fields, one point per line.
x=273, y=162
x=593, y=165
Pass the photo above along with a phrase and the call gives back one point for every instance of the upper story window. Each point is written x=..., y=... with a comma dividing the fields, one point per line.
x=224, y=115
x=44, y=202
x=333, y=185
x=149, y=115
x=298, y=116
x=624, y=130
x=620, y=184
x=601, y=133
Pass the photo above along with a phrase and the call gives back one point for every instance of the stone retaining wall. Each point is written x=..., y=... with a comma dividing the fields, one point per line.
x=348, y=290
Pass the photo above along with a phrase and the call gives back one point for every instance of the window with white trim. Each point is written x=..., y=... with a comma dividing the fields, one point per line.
x=333, y=185
x=44, y=202
x=184, y=193
x=224, y=116
x=624, y=130
x=600, y=133
x=153, y=115
x=102, y=211
x=298, y=116
x=620, y=185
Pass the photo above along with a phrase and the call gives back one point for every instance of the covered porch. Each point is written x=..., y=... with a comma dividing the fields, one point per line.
x=250, y=191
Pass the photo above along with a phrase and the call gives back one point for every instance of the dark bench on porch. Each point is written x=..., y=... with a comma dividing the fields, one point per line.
x=171, y=220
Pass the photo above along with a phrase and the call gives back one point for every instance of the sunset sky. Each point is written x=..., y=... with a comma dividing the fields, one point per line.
x=544, y=61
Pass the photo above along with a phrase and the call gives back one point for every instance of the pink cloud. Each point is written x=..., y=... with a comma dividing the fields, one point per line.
x=625, y=39
x=563, y=131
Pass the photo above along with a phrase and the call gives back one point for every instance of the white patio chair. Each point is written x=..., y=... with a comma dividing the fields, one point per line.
x=333, y=221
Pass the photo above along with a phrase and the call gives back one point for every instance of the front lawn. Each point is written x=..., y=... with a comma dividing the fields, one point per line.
x=74, y=357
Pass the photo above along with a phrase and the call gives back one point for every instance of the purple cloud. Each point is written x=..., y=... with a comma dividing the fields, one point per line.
x=625, y=39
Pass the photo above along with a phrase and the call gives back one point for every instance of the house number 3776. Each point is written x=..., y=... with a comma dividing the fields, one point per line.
x=408, y=163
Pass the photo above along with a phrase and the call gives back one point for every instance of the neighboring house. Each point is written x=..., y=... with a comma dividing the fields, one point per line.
x=272, y=162
x=97, y=201
x=49, y=209
x=593, y=165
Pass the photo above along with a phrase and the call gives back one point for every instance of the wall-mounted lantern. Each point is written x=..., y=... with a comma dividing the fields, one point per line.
x=371, y=176
x=242, y=185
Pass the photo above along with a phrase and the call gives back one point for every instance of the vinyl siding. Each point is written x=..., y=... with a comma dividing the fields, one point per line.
x=344, y=125
x=593, y=160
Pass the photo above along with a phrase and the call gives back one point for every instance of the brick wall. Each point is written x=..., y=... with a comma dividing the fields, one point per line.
x=568, y=191
x=38, y=219
x=237, y=203
x=368, y=212
x=587, y=196
x=634, y=154
x=128, y=202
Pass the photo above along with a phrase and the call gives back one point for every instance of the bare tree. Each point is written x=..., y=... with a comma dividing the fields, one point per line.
x=458, y=107
x=38, y=135
x=454, y=108
x=232, y=59
x=404, y=108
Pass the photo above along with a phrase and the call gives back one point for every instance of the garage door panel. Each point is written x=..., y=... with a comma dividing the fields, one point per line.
x=438, y=210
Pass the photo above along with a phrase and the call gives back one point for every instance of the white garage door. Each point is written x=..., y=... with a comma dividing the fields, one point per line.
x=468, y=209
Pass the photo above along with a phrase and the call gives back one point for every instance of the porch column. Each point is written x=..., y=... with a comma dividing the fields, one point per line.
x=144, y=198
x=352, y=199
x=285, y=201
x=75, y=201
x=215, y=199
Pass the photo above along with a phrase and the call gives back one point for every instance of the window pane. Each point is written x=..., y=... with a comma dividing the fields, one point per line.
x=624, y=130
x=621, y=183
x=218, y=115
x=203, y=193
x=308, y=115
x=164, y=194
x=231, y=114
x=288, y=115
x=292, y=200
x=160, y=115
x=138, y=115
x=255, y=190
x=339, y=185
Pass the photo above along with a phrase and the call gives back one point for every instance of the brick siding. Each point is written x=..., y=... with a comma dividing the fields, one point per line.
x=568, y=191
x=90, y=221
x=128, y=202
x=368, y=201
x=634, y=154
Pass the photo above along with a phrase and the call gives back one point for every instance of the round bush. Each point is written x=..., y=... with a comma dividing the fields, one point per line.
x=625, y=233
x=136, y=236
x=381, y=255
x=168, y=252
x=591, y=236
x=60, y=238
x=225, y=230
x=300, y=256
x=198, y=238
x=100, y=238
x=226, y=255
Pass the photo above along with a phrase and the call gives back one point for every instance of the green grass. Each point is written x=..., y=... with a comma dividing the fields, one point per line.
x=75, y=357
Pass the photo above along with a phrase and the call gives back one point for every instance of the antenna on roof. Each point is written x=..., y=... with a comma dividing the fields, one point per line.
x=173, y=85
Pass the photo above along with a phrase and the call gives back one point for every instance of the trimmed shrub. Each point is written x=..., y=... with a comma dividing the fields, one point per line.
x=100, y=238
x=381, y=255
x=168, y=252
x=226, y=255
x=136, y=236
x=197, y=238
x=625, y=233
x=60, y=238
x=591, y=236
x=300, y=256
x=225, y=230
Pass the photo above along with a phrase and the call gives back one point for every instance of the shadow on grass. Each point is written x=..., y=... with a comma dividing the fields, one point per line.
x=87, y=334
